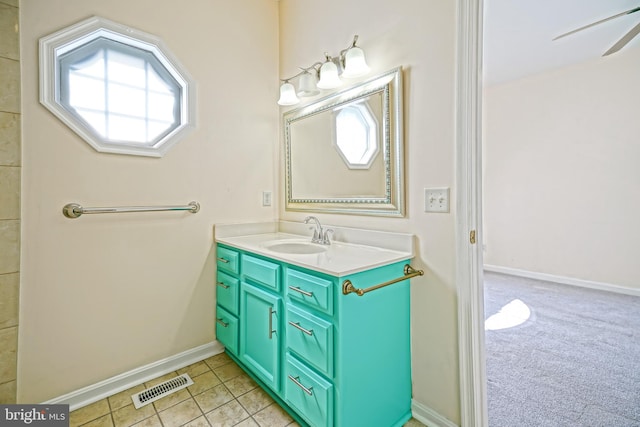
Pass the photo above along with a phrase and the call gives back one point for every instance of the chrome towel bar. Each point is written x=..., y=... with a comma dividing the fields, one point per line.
x=409, y=272
x=74, y=210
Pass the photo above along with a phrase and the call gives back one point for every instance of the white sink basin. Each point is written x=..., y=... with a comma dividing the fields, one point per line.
x=295, y=247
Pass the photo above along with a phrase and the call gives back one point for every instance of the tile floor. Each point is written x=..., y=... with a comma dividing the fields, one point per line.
x=222, y=395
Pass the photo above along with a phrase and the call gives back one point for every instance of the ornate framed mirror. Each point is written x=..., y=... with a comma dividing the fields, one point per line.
x=345, y=152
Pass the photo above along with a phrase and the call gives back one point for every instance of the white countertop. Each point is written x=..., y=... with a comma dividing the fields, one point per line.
x=339, y=259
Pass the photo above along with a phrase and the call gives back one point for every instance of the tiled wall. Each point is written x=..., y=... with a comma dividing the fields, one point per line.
x=9, y=196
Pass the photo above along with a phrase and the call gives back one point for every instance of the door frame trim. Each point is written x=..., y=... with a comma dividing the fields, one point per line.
x=473, y=401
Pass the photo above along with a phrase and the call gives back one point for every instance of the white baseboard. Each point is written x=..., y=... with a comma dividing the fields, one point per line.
x=93, y=393
x=564, y=280
x=428, y=416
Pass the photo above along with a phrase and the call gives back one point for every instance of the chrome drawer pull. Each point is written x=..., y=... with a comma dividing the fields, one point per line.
x=297, y=382
x=221, y=322
x=226, y=261
x=271, y=313
x=305, y=293
x=223, y=285
x=297, y=326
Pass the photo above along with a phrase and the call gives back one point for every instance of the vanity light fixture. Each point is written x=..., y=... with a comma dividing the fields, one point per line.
x=329, y=76
x=288, y=94
x=354, y=62
x=308, y=84
x=350, y=63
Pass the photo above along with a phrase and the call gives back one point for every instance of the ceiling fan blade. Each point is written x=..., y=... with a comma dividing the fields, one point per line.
x=628, y=12
x=624, y=40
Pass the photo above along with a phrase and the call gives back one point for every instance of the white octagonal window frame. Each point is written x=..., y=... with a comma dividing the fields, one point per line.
x=358, y=146
x=95, y=37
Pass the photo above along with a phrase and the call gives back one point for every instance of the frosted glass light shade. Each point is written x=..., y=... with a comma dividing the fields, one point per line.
x=354, y=63
x=307, y=85
x=329, y=76
x=288, y=95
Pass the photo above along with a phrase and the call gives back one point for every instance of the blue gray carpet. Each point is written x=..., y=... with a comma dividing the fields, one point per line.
x=574, y=361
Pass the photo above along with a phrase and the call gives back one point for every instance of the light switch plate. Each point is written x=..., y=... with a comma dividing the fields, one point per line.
x=266, y=198
x=436, y=199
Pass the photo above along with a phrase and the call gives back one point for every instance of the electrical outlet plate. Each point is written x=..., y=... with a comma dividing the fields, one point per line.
x=436, y=199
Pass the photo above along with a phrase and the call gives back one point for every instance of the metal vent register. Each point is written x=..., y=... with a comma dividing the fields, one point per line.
x=161, y=390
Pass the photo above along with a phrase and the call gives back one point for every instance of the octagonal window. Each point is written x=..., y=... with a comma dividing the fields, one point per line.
x=356, y=135
x=116, y=87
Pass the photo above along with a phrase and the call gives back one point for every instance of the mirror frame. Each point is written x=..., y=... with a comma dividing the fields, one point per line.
x=392, y=203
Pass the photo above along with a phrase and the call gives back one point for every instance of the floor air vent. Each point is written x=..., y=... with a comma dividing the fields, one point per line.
x=161, y=390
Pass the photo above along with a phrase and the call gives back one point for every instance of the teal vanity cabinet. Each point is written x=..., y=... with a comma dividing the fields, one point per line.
x=328, y=355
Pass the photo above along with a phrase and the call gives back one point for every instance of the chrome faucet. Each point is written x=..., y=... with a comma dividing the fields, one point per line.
x=320, y=235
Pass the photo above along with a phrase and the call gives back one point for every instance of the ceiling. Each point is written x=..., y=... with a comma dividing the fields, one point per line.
x=518, y=34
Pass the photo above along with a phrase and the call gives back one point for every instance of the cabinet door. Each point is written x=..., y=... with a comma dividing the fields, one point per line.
x=260, y=333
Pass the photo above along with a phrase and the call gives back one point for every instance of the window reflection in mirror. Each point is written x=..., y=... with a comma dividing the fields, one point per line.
x=356, y=134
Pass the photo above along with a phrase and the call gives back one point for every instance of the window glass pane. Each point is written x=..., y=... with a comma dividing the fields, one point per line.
x=86, y=92
x=92, y=66
x=161, y=107
x=124, y=68
x=157, y=84
x=127, y=129
x=96, y=120
x=126, y=100
x=123, y=87
x=155, y=129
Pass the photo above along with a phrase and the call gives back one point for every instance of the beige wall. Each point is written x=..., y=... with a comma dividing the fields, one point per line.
x=420, y=36
x=9, y=196
x=104, y=294
x=561, y=171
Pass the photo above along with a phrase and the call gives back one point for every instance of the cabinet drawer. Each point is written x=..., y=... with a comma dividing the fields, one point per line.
x=311, y=290
x=227, y=292
x=311, y=338
x=227, y=329
x=261, y=271
x=308, y=393
x=228, y=260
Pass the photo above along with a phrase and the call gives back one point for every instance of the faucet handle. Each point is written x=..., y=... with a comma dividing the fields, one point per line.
x=316, y=237
x=325, y=236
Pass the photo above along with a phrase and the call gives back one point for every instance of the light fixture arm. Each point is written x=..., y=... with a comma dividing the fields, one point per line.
x=315, y=67
x=345, y=50
x=326, y=73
